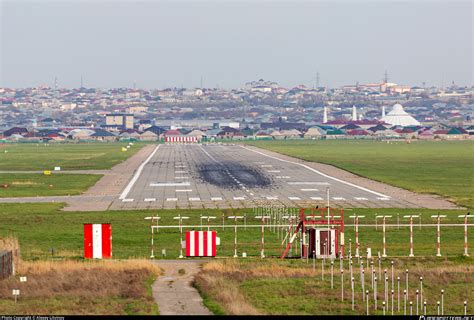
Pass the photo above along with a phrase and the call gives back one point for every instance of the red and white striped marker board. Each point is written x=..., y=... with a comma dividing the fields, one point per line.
x=186, y=139
x=97, y=241
x=201, y=243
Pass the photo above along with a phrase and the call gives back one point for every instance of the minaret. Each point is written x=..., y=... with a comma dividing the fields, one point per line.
x=325, y=116
x=383, y=112
x=354, y=113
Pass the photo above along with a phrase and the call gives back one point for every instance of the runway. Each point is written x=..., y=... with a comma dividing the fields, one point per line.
x=233, y=176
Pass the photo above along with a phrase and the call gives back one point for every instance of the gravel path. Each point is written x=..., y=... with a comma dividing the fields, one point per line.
x=173, y=291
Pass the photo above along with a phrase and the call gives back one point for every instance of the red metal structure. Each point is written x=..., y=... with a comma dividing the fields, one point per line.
x=316, y=222
x=182, y=139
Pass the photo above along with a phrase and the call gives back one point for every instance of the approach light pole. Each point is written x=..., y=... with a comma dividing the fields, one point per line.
x=411, y=233
x=384, y=253
x=356, y=223
x=180, y=219
x=465, y=216
x=156, y=218
x=235, y=232
x=438, y=233
x=208, y=218
x=262, y=218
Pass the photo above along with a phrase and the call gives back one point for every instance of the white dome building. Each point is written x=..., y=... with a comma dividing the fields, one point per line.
x=399, y=117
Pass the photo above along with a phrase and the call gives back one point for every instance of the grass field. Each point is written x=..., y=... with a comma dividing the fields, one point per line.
x=42, y=228
x=36, y=184
x=78, y=156
x=293, y=287
x=81, y=288
x=442, y=167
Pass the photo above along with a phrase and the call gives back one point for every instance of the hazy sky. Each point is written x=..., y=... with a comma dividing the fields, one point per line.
x=174, y=43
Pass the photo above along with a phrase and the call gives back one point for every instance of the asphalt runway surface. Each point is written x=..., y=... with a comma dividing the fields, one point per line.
x=233, y=176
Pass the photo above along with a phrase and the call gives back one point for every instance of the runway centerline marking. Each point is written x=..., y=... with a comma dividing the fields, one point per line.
x=180, y=171
x=319, y=172
x=305, y=190
x=137, y=175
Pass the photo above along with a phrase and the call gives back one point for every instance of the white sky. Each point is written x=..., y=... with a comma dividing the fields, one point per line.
x=174, y=43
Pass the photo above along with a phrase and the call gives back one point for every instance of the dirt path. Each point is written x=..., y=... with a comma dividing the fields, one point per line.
x=173, y=291
x=428, y=201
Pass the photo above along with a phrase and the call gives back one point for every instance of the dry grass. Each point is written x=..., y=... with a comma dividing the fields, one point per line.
x=226, y=292
x=10, y=243
x=81, y=285
x=263, y=287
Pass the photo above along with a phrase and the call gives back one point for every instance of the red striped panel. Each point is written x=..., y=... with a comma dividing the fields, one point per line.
x=188, y=247
x=88, y=241
x=213, y=244
x=196, y=243
x=106, y=240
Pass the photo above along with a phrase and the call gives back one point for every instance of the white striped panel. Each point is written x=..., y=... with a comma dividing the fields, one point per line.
x=97, y=241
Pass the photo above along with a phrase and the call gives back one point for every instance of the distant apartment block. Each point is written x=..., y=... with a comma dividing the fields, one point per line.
x=121, y=121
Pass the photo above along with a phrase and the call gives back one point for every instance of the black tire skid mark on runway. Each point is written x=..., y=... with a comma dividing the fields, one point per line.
x=218, y=176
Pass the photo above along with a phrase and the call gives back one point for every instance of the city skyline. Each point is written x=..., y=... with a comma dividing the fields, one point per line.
x=164, y=44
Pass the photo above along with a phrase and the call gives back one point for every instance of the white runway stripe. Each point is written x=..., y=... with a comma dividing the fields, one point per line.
x=184, y=190
x=127, y=200
x=383, y=198
x=309, y=189
x=171, y=184
x=239, y=198
x=150, y=199
x=338, y=198
x=137, y=175
x=273, y=171
x=181, y=171
x=294, y=198
x=316, y=198
x=308, y=183
x=171, y=199
x=282, y=177
x=361, y=198
x=272, y=198
x=216, y=198
x=195, y=199
x=183, y=177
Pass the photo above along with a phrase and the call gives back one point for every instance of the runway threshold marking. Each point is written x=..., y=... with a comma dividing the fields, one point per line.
x=383, y=198
x=216, y=198
x=150, y=199
x=184, y=190
x=361, y=198
x=282, y=177
x=180, y=171
x=171, y=199
x=272, y=198
x=137, y=175
x=127, y=200
x=239, y=198
x=195, y=199
x=319, y=172
x=294, y=198
x=316, y=198
x=338, y=198
x=307, y=190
